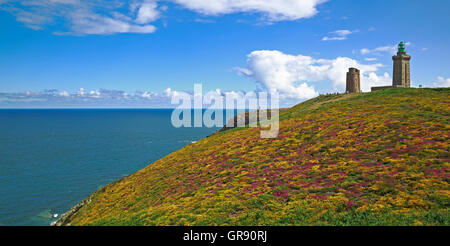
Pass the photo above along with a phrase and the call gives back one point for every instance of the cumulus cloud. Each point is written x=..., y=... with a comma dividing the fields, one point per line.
x=371, y=79
x=338, y=35
x=276, y=10
x=292, y=75
x=442, y=82
x=148, y=12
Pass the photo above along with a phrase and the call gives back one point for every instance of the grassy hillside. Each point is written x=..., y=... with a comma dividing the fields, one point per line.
x=377, y=158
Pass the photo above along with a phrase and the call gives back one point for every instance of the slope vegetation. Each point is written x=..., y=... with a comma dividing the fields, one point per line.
x=378, y=158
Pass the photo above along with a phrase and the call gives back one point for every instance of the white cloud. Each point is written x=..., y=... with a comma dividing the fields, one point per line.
x=442, y=82
x=171, y=93
x=135, y=16
x=291, y=75
x=275, y=10
x=372, y=79
x=95, y=94
x=365, y=51
x=278, y=72
x=100, y=98
x=86, y=98
x=80, y=92
x=339, y=35
x=147, y=94
x=148, y=12
x=84, y=22
x=32, y=20
x=243, y=71
x=86, y=17
x=64, y=94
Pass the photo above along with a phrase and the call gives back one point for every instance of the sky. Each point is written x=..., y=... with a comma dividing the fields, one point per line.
x=139, y=53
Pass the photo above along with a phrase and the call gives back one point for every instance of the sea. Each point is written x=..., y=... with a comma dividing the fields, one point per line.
x=50, y=159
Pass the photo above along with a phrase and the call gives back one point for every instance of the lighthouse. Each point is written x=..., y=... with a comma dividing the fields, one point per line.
x=401, y=75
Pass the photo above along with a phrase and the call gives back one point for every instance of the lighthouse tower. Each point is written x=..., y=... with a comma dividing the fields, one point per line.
x=401, y=76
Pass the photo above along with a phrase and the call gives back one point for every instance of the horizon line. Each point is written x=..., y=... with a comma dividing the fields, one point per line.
x=130, y=108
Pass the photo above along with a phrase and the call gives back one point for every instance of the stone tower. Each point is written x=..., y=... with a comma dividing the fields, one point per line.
x=401, y=68
x=353, y=83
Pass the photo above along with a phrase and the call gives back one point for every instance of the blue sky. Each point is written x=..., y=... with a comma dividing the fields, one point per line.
x=128, y=53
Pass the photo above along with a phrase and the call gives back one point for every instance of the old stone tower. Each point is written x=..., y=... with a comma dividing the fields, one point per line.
x=401, y=76
x=353, y=81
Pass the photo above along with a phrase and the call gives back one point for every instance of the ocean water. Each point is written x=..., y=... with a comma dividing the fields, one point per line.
x=50, y=159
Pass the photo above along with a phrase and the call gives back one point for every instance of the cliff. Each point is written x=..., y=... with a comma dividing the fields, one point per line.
x=379, y=158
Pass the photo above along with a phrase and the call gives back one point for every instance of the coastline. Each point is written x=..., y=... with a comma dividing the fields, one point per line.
x=65, y=218
x=243, y=117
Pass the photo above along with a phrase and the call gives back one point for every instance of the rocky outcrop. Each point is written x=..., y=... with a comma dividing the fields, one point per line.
x=246, y=118
x=66, y=217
